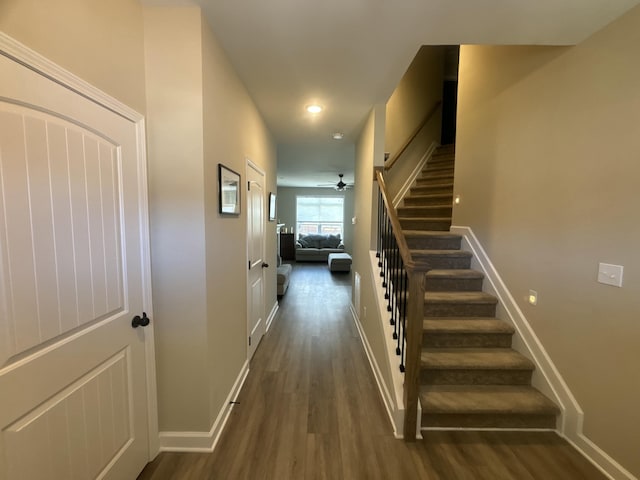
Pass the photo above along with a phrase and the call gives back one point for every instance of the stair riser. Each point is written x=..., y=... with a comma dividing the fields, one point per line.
x=453, y=284
x=459, y=310
x=488, y=421
x=429, y=189
x=439, y=169
x=443, y=262
x=436, y=200
x=433, y=243
x=474, y=377
x=433, y=180
x=465, y=340
x=426, y=211
x=429, y=225
x=440, y=165
x=439, y=156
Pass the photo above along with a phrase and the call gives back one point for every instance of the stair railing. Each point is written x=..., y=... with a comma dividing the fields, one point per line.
x=392, y=160
x=403, y=281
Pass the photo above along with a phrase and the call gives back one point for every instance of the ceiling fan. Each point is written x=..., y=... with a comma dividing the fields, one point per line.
x=341, y=186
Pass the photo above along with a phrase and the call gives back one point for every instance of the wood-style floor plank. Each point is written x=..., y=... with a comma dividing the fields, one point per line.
x=310, y=410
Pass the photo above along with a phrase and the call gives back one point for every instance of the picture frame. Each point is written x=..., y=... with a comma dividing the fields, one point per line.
x=228, y=191
x=272, y=207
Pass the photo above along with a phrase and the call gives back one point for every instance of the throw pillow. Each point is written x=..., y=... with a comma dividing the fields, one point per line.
x=303, y=242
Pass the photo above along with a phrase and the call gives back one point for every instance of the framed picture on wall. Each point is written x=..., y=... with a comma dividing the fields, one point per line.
x=228, y=191
x=272, y=207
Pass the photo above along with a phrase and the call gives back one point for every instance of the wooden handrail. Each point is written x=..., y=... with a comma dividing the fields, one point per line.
x=415, y=315
x=431, y=113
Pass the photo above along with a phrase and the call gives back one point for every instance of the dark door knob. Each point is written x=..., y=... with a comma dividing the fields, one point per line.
x=265, y=265
x=140, y=321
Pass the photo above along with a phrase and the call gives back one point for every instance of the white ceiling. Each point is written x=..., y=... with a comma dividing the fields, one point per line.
x=348, y=55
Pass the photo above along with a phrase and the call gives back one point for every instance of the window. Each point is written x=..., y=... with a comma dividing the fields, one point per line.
x=320, y=215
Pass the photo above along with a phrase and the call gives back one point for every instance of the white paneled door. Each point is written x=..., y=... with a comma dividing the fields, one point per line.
x=256, y=324
x=73, y=392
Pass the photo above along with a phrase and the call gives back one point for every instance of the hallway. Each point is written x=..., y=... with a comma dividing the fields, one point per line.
x=310, y=409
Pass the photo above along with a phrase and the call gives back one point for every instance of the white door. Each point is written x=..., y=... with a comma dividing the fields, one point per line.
x=257, y=264
x=73, y=394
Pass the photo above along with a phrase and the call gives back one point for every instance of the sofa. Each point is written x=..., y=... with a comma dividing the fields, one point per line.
x=316, y=247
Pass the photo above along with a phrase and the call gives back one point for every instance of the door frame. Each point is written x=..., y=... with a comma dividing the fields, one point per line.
x=20, y=53
x=252, y=165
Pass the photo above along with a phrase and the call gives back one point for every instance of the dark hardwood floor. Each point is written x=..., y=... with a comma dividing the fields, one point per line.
x=310, y=409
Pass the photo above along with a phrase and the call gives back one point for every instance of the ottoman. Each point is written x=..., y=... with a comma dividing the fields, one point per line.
x=282, y=274
x=339, y=262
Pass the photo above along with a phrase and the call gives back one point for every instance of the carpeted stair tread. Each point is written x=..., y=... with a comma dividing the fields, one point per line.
x=474, y=359
x=440, y=259
x=423, y=233
x=417, y=211
x=466, y=325
x=443, y=176
x=485, y=399
x=460, y=253
x=422, y=190
x=460, y=297
x=436, y=169
x=455, y=273
x=442, y=184
x=429, y=219
x=424, y=239
x=444, y=197
x=428, y=223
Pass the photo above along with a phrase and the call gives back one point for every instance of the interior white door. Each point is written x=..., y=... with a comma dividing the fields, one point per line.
x=257, y=264
x=73, y=395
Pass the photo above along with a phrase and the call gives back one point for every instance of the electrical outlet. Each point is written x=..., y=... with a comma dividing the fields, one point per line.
x=364, y=312
x=610, y=274
x=533, y=297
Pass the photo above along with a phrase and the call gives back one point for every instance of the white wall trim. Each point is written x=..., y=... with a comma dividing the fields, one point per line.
x=414, y=174
x=205, y=441
x=35, y=62
x=272, y=315
x=549, y=380
x=603, y=461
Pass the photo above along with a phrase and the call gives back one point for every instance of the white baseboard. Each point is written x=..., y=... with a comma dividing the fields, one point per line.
x=603, y=461
x=204, y=441
x=272, y=315
x=549, y=380
x=414, y=174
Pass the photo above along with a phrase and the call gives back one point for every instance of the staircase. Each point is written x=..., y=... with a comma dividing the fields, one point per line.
x=470, y=376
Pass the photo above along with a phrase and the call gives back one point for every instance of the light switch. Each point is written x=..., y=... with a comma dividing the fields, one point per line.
x=610, y=274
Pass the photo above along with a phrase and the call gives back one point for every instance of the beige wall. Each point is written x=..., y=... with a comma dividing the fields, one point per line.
x=287, y=208
x=369, y=153
x=233, y=132
x=199, y=115
x=414, y=97
x=101, y=42
x=177, y=214
x=547, y=166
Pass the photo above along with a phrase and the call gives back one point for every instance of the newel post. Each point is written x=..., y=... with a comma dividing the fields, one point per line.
x=413, y=332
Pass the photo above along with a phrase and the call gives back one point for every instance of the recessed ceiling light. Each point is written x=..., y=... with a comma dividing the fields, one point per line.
x=337, y=135
x=314, y=108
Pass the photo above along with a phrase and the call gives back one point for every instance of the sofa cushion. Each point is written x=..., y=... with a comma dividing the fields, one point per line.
x=315, y=240
x=331, y=241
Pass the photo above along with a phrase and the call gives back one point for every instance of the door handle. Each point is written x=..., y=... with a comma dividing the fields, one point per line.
x=140, y=321
x=265, y=265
